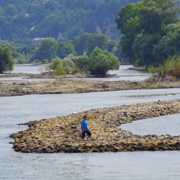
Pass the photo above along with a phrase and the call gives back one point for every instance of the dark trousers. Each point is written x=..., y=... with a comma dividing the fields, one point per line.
x=86, y=132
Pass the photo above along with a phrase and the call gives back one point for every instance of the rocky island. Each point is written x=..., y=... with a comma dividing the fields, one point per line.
x=62, y=134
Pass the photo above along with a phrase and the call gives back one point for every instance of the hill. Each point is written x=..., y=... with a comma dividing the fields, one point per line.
x=22, y=20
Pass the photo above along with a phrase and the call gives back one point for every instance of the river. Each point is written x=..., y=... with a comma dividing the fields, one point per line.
x=85, y=166
x=124, y=73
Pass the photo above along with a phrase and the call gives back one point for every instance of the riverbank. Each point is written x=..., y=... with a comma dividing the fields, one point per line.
x=62, y=134
x=66, y=86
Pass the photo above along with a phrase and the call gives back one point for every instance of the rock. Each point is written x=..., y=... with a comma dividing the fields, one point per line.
x=62, y=134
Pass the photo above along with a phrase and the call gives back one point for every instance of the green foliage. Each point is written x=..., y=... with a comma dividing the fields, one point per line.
x=21, y=59
x=87, y=42
x=59, y=71
x=69, y=65
x=81, y=62
x=152, y=69
x=169, y=44
x=111, y=45
x=56, y=66
x=6, y=59
x=45, y=61
x=62, y=66
x=149, y=35
x=170, y=67
x=143, y=48
x=65, y=47
x=55, y=63
x=47, y=49
x=22, y=20
x=101, y=61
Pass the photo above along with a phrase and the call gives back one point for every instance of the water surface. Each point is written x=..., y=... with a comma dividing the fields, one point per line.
x=134, y=165
x=160, y=126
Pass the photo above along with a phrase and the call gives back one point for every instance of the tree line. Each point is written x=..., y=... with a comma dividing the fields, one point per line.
x=84, y=44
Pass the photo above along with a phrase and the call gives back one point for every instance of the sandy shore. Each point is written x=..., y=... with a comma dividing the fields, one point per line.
x=77, y=86
x=62, y=134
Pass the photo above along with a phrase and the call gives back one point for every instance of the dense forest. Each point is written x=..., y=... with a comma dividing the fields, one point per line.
x=22, y=20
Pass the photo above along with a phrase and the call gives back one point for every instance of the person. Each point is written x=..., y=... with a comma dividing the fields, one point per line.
x=84, y=127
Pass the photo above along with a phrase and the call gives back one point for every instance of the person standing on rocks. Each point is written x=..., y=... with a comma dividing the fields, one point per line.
x=84, y=127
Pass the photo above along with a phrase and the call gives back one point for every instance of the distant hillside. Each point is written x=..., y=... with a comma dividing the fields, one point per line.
x=22, y=20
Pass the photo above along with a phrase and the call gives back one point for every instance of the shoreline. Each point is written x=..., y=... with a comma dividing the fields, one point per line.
x=62, y=134
x=67, y=86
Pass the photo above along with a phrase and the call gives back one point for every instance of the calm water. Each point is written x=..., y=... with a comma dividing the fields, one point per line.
x=134, y=165
x=160, y=126
x=124, y=73
x=29, y=69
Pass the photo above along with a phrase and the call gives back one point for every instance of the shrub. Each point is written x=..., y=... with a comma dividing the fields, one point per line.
x=55, y=63
x=170, y=67
x=81, y=62
x=100, y=61
x=62, y=66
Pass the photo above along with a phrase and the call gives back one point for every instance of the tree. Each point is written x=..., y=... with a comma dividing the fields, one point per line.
x=110, y=45
x=145, y=31
x=143, y=49
x=87, y=42
x=128, y=23
x=47, y=49
x=65, y=47
x=6, y=60
x=101, y=61
x=169, y=44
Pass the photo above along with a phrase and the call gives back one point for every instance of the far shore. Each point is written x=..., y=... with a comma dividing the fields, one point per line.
x=64, y=85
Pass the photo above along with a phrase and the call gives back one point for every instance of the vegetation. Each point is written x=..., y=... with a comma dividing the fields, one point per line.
x=101, y=61
x=98, y=63
x=170, y=67
x=6, y=59
x=150, y=31
x=65, y=47
x=87, y=42
x=21, y=20
x=47, y=49
x=62, y=66
x=81, y=62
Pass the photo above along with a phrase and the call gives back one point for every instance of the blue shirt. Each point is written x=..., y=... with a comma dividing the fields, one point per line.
x=84, y=125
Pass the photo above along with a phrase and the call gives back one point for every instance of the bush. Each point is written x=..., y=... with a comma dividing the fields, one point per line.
x=81, y=62
x=55, y=63
x=170, y=67
x=62, y=66
x=68, y=65
x=101, y=61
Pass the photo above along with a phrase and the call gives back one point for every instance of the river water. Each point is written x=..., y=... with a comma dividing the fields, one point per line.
x=124, y=73
x=85, y=166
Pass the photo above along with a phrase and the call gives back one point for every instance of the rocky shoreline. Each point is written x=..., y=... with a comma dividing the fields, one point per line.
x=62, y=134
x=79, y=86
